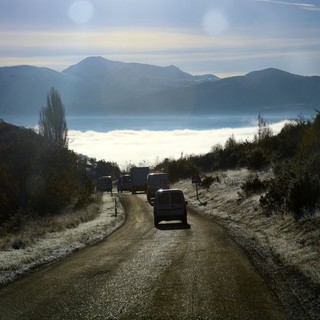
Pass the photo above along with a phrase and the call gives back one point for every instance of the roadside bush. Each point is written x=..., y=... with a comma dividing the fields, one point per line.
x=286, y=143
x=100, y=168
x=207, y=181
x=310, y=143
x=257, y=159
x=295, y=189
x=53, y=182
x=275, y=199
x=9, y=192
x=38, y=177
x=181, y=168
x=294, y=153
x=84, y=192
x=304, y=194
x=254, y=186
x=232, y=154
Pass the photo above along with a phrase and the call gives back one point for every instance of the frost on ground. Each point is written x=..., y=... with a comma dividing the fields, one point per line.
x=294, y=243
x=285, y=252
x=56, y=245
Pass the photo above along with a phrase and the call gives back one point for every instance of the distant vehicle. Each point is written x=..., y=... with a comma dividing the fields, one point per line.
x=104, y=183
x=124, y=183
x=169, y=204
x=139, y=179
x=155, y=182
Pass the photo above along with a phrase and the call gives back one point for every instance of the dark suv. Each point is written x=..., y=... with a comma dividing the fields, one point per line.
x=169, y=205
x=124, y=183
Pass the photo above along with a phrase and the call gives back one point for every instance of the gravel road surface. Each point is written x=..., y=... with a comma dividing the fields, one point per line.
x=142, y=272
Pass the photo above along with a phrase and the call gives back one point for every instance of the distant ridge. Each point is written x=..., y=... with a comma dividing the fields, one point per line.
x=98, y=86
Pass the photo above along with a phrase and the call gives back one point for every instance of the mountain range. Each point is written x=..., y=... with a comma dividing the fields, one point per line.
x=97, y=86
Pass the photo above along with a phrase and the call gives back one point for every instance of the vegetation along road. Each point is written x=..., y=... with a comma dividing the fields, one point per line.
x=142, y=272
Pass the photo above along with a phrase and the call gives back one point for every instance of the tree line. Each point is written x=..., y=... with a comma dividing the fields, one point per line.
x=293, y=155
x=39, y=175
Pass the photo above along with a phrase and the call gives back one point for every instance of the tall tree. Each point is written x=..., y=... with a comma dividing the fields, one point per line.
x=264, y=131
x=52, y=122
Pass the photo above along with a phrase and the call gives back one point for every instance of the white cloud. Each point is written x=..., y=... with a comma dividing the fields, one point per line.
x=161, y=33
x=306, y=6
x=125, y=146
x=190, y=51
x=133, y=39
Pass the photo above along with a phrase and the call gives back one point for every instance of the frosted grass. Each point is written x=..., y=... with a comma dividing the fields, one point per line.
x=56, y=245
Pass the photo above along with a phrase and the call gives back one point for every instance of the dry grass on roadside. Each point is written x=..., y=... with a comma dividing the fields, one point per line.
x=295, y=243
x=38, y=227
x=52, y=246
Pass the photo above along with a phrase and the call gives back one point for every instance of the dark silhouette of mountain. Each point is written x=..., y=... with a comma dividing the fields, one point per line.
x=100, y=86
x=22, y=88
x=106, y=84
x=258, y=91
x=94, y=85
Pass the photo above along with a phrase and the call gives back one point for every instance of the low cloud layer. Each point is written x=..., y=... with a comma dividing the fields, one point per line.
x=148, y=147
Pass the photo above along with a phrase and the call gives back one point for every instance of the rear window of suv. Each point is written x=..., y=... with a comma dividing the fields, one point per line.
x=163, y=198
x=176, y=198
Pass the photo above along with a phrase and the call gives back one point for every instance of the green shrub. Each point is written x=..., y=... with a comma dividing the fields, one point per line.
x=39, y=177
x=304, y=194
x=207, y=181
x=275, y=199
x=295, y=189
x=257, y=159
x=9, y=192
x=253, y=186
x=182, y=168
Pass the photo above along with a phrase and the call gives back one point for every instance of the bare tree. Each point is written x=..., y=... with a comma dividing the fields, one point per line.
x=52, y=122
x=264, y=131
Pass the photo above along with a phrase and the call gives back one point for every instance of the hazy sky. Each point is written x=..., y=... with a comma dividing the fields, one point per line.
x=223, y=37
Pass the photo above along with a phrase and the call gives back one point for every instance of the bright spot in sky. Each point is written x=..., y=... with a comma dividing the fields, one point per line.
x=81, y=11
x=215, y=23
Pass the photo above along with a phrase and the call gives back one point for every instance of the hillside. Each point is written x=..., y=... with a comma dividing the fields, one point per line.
x=99, y=86
x=273, y=243
x=265, y=90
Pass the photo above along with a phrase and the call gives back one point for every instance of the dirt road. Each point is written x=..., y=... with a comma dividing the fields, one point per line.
x=140, y=272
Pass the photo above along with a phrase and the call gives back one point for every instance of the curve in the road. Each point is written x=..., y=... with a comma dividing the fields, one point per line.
x=143, y=272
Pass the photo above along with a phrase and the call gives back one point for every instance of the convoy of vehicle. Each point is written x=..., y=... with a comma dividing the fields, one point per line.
x=168, y=204
x=156, y=181
x=104, y=183
x=124, y=183
x=139, y=179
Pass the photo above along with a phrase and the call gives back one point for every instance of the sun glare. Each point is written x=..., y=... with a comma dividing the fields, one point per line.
x=81, y=11
x=215, y=23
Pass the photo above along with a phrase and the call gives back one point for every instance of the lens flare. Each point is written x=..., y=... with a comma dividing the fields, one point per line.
x=81, y=11
x=215, y=23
